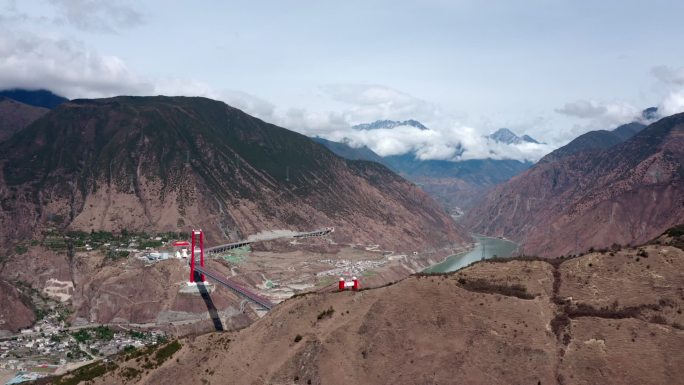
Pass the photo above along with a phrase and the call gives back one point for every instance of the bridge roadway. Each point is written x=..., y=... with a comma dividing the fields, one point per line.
x=230, y=246
x=224, y=281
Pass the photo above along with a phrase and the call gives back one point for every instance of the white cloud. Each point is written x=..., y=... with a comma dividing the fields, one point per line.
x=592, y=116
x=669, y=75
x=617, y=112
x=98, y=15
x=672, y=104
x=369, y=102
x=452, y=142
x=673, y=78
x=311, y=123
x=446, y=139
x=64, y=66
x=251, y=104
x=71, y=69
x=582, y=109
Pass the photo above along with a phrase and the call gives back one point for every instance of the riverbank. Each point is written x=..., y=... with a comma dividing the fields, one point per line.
x=485, y=248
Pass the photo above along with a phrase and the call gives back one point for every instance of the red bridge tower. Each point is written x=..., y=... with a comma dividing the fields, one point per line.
x=197, y=237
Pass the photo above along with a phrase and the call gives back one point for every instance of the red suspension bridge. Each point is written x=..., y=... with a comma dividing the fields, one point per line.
x=201, y=272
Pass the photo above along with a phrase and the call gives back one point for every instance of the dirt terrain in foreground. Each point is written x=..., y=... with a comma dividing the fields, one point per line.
x=608, y=318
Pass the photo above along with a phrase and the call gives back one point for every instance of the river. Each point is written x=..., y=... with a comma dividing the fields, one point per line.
x=492, y=247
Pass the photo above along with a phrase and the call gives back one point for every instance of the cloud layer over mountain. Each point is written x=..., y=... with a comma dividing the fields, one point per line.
x=38, y=50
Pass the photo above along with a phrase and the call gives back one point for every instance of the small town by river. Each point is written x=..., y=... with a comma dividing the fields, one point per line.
x=485, y=248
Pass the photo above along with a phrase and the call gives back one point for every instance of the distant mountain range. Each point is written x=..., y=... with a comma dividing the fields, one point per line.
x=650, y=114
x=504, y=135
x=352, y=153
x=36, y=98
x=19, y=108
x=598, y=190
x=595, y=140
x=455, y=184
x=389, y=124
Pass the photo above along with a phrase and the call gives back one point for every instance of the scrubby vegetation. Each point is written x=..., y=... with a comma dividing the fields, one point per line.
x=326, y=313
x=677, y=236
x=41, y=304
x=483, y=286
x=165, y=352
x=130, y=373
x=102, y=333
x=677, y=231
x=109, y=242
x=80, y=375
x=20, y=249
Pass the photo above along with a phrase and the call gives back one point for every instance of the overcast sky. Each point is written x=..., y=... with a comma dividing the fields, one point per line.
x=548, y=68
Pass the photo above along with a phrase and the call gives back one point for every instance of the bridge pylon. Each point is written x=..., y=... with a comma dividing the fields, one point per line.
x=197, y=240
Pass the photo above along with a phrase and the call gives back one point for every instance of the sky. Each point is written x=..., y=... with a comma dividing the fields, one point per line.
x=551, y=69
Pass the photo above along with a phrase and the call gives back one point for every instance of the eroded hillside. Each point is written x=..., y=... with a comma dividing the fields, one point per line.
x=168, y=164
x=626, y=194
x=611, y=317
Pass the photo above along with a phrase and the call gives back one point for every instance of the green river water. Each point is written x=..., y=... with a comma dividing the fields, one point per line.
x=492, y=247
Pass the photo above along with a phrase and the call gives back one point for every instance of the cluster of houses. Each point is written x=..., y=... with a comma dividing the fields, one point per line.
x=181, y=251
x=45, y=347
x=345, y=267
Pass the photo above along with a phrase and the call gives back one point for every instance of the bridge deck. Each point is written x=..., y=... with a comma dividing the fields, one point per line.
x=261, y=301
x=229, y=246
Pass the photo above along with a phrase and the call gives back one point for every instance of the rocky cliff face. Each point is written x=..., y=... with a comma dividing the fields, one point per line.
x=160, y=164
x=625, y=194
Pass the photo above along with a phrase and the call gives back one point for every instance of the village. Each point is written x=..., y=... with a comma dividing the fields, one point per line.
x=51, y=347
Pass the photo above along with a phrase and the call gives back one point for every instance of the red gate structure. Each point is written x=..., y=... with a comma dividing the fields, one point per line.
x=354, y=284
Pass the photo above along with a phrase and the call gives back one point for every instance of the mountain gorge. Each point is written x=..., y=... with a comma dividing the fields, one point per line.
x=455, y=184
x=165, y=164
x=592, y=198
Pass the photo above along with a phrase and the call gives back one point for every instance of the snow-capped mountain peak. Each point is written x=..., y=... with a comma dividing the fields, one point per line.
x=504, y=135
x=389, y=124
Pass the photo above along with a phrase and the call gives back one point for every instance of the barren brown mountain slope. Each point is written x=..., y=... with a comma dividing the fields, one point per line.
x=609, y=318
x=626, y=194
x=15, y=313
x=15, y=115
x=171, y=163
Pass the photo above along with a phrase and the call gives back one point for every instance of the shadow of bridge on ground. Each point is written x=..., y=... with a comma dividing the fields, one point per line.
x=211, y=308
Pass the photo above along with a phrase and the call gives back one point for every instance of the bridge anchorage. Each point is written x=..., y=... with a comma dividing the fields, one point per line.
x=344, y=285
